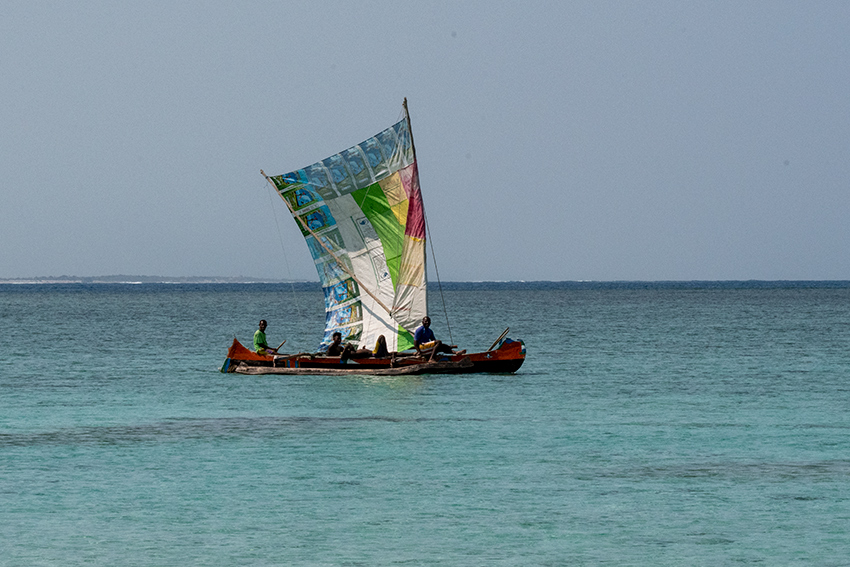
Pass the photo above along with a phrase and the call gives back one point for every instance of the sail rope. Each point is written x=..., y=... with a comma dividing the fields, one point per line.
x=295, y=301
x=427, y=227
x=437, y=272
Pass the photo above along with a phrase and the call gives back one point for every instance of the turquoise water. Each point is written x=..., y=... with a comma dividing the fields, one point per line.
x=700, y=424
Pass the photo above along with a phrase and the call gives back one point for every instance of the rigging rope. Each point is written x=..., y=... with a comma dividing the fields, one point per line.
x=437, y=271
x=285, y=257
x=406, y=114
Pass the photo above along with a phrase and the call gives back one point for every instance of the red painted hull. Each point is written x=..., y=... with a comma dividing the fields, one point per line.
x=506, y=359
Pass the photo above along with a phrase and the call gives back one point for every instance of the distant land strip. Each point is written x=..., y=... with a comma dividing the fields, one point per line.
x=307, y=285
x=122, y=279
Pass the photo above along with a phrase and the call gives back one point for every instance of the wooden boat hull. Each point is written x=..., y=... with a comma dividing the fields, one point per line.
x=507, y=358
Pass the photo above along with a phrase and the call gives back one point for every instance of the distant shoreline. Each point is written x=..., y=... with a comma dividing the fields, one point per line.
x=306, y=285
x=122, y=279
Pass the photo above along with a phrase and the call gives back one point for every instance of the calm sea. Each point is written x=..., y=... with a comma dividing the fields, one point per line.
x=652, y=424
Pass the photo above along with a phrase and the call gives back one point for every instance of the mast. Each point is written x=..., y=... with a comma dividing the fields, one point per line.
x=409, y=127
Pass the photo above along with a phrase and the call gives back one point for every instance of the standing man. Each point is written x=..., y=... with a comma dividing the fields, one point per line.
x=260, y=344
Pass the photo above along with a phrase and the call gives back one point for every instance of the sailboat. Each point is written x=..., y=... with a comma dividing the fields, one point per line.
x=361, y=214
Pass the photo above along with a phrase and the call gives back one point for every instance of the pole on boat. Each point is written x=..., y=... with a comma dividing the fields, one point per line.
x=502, y=336
x=342, y=266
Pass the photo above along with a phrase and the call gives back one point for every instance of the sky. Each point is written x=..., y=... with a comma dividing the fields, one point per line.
x=563, y=140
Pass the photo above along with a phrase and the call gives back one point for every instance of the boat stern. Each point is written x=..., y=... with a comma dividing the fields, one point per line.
x=238, y=353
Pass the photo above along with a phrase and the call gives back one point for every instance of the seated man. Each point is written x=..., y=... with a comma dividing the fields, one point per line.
x=424, y=341
x=336, y=347
x=260, y=344
x=344, y=352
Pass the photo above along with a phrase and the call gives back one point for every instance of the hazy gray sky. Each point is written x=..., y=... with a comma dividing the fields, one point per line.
x=556, y=140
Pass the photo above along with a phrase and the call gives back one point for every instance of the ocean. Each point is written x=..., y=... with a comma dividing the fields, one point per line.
x=695, y=423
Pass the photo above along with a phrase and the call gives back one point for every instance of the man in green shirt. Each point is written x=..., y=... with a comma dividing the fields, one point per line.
x=260, y=344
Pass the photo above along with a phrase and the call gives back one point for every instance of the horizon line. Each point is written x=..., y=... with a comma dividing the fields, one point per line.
x=141, y=279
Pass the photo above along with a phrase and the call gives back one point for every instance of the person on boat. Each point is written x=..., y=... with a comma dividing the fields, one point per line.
x=425, y=342
x=336, y=347
x=348, y=353
x=260, y=344
x=381, y=350
x=343, y=351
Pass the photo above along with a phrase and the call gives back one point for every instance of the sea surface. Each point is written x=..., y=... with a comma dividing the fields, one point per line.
x=697, y=423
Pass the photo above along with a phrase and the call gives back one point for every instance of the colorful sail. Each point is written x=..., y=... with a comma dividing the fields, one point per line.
x=361, y=213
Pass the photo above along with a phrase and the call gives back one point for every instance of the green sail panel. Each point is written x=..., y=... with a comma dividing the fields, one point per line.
x=361, y=215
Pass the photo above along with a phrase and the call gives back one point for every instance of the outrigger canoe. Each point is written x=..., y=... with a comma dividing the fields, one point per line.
x=361, y=214
x=507, y=357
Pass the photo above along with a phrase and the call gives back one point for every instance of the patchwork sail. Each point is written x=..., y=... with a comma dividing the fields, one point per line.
x=361, y=214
